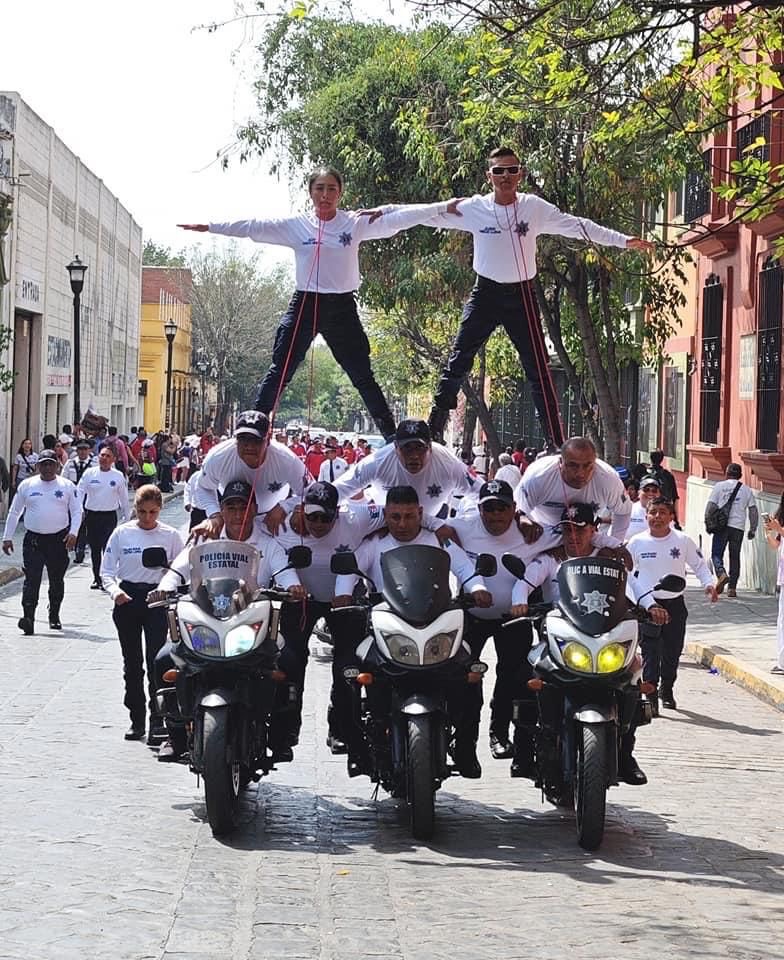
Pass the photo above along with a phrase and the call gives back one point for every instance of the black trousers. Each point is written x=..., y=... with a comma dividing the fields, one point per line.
x=513, y=305
x=338, y=322
x=728, y=537
x=41, y=550
x=100, y=524
x=142, y=633
x=348, y=630
x=81, y=541
x=512, y=646
x=662, y=646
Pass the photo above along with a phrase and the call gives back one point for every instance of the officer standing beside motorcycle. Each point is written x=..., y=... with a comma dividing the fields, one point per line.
x=128, y=582
x=52, y=515
x=657, y=552
x=403, y=519
x=493, y=531
x=104, y=491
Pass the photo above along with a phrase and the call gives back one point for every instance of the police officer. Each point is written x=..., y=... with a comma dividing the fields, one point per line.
x=53, y=512
x=74, y=471
x=105, y=491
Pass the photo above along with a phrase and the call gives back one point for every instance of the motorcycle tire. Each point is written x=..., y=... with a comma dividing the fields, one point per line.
x=590, y=795
x=221, y=779
x=419, y=774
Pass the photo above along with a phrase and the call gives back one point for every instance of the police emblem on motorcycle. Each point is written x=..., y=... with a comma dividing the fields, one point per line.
x=221, y=603
x=595, y=602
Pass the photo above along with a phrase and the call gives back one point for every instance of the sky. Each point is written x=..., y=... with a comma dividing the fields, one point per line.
x=146, y=101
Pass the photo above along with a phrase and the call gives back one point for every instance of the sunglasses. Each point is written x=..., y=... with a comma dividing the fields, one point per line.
x=500, y=171
x=495, y=507
x=319, y=517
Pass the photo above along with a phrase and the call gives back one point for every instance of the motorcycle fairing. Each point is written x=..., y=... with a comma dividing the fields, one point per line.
x=560, y=632
x=387, y=622
x=416, y=582
x=259, y=612
x=593, y=593
x=218, y=570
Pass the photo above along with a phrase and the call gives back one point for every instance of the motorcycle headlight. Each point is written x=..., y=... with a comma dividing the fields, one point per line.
x=578, y=657
x=438, y=648
x=204, y=640
x=611, y=658
x=241, y=639
x=402, y=649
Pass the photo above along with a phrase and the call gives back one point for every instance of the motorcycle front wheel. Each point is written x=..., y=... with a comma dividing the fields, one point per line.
x=590, y=795
x=221, y=779
x=419, y=774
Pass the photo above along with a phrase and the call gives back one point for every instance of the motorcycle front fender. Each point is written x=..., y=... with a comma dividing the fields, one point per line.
x=592, y=713
x=418, y=705
x=218, y=698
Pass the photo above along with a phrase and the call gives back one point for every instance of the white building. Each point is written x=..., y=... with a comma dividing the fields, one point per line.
x=59, y=208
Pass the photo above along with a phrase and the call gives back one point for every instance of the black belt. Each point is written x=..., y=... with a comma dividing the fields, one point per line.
x=325, y=296
x=136, y=590
x=102, y=513
x=486, y=283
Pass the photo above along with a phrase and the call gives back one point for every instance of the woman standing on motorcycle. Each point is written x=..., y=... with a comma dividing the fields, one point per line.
x=128, y=583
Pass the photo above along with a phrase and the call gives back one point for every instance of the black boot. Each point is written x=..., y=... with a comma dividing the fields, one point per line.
x=27, y=620
x=667, y=697
x=54, y=617
x=465, y=758
x=653, y=699
x=629, y=771
x=437, y=422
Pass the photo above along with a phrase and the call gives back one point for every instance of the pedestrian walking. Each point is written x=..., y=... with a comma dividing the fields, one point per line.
x=326, y=253
x=725, y=518
x=128, y=581
x=505, y=226
x=74, y=470
x=666, y=479
x=104, y=492
x=774, y=536
x=24, y=464
x=53, y=512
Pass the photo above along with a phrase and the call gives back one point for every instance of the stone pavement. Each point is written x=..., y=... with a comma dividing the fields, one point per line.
x=106, y=854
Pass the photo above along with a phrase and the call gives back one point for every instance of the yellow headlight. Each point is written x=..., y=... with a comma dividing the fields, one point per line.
x=578, y=657
x=611, y=658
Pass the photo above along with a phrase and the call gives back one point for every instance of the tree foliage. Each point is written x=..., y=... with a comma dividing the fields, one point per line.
x=156, y=255
x=7, y=376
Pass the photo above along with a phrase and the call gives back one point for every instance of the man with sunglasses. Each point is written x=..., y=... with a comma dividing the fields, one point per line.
x=505, y=226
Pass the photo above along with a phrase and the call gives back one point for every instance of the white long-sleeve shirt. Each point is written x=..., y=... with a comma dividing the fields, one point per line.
x=280, y=469
x=326, y=252
x=75, y=469
x=505, y=234
x=442, y=477
x=48, y=505
x=104, y=490
x=543, y=495
x=656, y=556
x=122, y=558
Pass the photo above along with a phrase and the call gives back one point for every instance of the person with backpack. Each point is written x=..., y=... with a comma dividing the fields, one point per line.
x=725, y=519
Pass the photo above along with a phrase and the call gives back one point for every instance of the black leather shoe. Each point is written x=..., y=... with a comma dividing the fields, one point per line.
x=501, y=749
x=630, y=772
x=96, y=585
x=336, y=745
x=167, y=753
x=26, y=626
x=134, y=733
x=466, y=761
x=157, y=733
x=55, y=624
x=282, y=755
x=668, y=700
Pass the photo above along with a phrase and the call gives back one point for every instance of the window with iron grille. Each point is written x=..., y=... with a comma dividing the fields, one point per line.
x=759, y=127
x=674, y=424
x=710, y=369
x=771, y=285
x=698, y=190
x=648, y=406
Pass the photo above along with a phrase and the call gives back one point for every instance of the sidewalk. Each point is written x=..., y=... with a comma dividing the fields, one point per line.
x=736, y=638
x=10, y=568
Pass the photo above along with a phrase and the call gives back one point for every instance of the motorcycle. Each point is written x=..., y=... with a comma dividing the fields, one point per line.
x=587, y=679
x=411, y=661
x=224, y=633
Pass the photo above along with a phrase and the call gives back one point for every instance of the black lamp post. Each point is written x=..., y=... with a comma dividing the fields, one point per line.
x=170, y=329
x=202, y=366
x=76, y=271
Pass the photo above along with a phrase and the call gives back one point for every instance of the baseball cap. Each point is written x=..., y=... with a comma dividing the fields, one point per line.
x=252, y=423
x=83, y=444
x=412, y=431
x=649, y=479
x=580, y=514
x=47, y=455
x=237, y=490
x=320, y=497
x=65, y=438
x=496, y=490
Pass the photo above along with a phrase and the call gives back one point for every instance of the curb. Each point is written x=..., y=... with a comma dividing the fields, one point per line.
x=9, y=574
x=733, y=669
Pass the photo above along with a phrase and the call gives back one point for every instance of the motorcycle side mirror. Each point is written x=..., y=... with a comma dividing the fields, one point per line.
x=300, y=557
x=343, y=563
x=671, y=582
x=486, y=565
x=514, y=565
x=154, y=557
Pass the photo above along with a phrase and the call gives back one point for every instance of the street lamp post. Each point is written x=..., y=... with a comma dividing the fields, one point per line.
x=202, y=366
x=170, y=329
x=76, y=271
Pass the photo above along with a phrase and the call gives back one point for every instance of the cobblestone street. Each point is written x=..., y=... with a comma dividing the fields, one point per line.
x=106, y=853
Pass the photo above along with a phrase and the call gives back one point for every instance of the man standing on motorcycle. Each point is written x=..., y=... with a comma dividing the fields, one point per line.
x=403, y=519
x=657, y=552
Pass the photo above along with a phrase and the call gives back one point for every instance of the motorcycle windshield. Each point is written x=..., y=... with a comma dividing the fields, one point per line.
x=593, y=593
x=416, y=582
x=219, y=568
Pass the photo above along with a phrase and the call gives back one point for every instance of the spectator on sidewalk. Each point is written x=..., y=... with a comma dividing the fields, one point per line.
x=667, y=484
x=774, y=536
x=24, y=464
x=733, y=493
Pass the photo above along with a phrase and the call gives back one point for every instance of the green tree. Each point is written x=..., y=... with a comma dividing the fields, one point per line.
x=156, y=255
x=7, y=376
